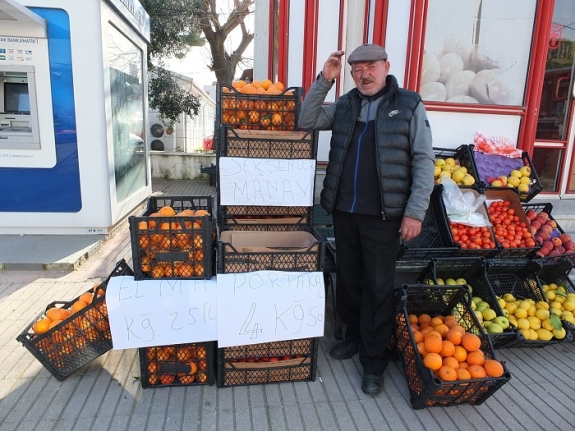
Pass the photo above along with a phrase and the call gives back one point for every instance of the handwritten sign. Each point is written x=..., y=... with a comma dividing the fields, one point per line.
x=264, y=306
x=161, y=312
x=277, y=182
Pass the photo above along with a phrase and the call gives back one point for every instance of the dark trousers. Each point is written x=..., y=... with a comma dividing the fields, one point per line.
x=366, y=254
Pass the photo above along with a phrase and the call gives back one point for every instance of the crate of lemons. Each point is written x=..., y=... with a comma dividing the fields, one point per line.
x=448, y=167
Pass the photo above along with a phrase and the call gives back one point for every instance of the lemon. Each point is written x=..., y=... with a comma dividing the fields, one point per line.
x=555, y=304
x=513, y=181
x=525, y=305
x=534, y=322
x=511, y=307
x=468, y=180
x=489, y=314
x=457, y=175
x=436, y=171
x=522, y=323
x=559, y=333
x=545, y=287
x=526, y=333
x=533, y=333
x=555, y=311
x=520, y=313
x=542, y=305
x=450, y=161
x=546, y=324
x=515, y=173
x=544, y=334
x=552, y=286
x=523, y=188
x=525, y=180
x=542, y=314
x=508, y=297
x=445, y=174
x=550, y=295
x=440, y=163
x=560, y=299
x=531, y=311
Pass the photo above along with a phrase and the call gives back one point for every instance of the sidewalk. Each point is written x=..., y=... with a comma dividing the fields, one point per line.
x=106, y=394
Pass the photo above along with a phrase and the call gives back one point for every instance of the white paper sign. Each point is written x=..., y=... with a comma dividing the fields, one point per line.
x=161, y=312
x=274, y=182
x=264, y=306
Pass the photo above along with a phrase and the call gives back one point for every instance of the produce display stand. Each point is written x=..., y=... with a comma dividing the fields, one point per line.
x=258, y=237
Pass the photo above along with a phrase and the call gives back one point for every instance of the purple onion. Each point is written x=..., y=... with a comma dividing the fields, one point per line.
x=554, y=233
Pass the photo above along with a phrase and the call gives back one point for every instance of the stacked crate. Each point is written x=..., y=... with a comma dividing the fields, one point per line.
x=176, y=244
x=254, y=237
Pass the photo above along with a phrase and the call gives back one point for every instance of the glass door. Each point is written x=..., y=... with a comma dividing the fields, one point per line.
x=552, y=143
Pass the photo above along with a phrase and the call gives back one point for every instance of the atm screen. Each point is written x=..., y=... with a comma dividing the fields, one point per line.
x=16, y=98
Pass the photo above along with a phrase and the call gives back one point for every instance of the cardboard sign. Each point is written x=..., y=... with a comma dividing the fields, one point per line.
x=263, y=306
x=273, y=182
x=161, y=312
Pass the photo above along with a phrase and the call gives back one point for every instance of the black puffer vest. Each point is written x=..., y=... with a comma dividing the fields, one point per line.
x=393, y=152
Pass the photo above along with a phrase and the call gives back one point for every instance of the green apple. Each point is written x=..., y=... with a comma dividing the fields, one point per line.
x=489, y=314
x=440, y=281
x=450, y=282
x=461, y=281
x=486, y=323
x=502, y=321
x=501, y=302
x=483, y=304
x=495, y=328
x=479, y=315
x=476, y=299
x=506, y=312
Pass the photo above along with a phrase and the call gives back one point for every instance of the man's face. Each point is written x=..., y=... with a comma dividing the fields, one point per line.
x=370, y=77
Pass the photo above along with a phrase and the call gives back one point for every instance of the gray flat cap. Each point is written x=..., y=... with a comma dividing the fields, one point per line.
x=367, y=53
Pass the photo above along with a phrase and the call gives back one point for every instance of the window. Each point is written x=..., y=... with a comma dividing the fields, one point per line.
x=477, y=51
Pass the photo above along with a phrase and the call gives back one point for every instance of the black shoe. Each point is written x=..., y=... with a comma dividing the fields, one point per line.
x=344, y=350
x=372, y=384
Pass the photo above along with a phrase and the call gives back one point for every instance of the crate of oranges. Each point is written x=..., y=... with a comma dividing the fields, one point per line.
x=174, y=239
x=258, y=105
x=274, y=362
x=447, y=357
x=177, y=365
x=70, y=334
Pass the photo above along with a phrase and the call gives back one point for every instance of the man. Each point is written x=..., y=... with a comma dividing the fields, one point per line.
x=377, y=186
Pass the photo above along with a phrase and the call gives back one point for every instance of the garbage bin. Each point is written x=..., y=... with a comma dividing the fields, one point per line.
x=208, y=143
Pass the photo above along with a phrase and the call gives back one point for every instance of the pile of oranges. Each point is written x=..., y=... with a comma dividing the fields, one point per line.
x=257, y=106
x=451, y=352
x=183, y=236
x=56, y=315
x=190, y=360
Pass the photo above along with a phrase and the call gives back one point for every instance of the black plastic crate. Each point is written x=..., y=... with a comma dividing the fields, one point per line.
x=267, y=144
x=258, y=111
x=463, y=157
x=547, y=260
x=520, y=278
x=473, y=271
x=425, y=389
x=264, y=218
x=174, y=247
x=290, y=258
x=434, y=239
x=177, y=365
x=78, y=339
x=491, y=164
x=273, y=362
x=559, y=274
x=511, y=196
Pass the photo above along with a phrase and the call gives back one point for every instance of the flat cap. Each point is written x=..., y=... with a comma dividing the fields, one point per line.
x=367, y=53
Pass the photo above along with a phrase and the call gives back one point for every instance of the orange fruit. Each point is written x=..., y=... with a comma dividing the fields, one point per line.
x=167, y=211
x=256, y=84
x=279, y=85
x=463, y=374
x=493, y=368
x=437, y=320
x=248, y=89
x=450, y=322
x=477, y=372
x=201, y=352
x=413, y=319
x=447, y=374
x=414, y=327
x=421, y=348
x=454, y=336
x=193, y=368
x=266, y=84
x=238, y=84
x=433, y=361
x=424, y=318
x=464, y=365
x=442, y=328
x=202, y=377
x=153, y=367
x=186, y=379
x=56, y=313
x=476, y=358
x=41, y=326
x=167, y=379
x=185, y=354
x=471, y=342
x=418, y=337
x=447, y=348
x=425, y=330
x=55, y=323
x=451, y=361
x=458, y=328
x=158, y=271
x=87, y=297
x=198, y=269
x=460, y=353
x=78, y=305
x=433, y=342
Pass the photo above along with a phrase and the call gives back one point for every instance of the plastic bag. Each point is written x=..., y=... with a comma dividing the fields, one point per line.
x=497, y=145
x=461, y=207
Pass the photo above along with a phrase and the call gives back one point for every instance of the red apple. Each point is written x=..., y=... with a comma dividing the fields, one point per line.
x=569, y=245
x=546, y=228
x=544, y=215
x=560, y=249
x=544, y=235
x=565, y=237
x=551, y=223
x=541, y=219
x=543, y=251
x=535, y=224
x=538, y=239
x=531, y=214
x=547, y=244
x=556, y=241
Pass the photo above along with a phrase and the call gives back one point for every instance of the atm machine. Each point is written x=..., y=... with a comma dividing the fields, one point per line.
x=73, y=115
x=26, y=140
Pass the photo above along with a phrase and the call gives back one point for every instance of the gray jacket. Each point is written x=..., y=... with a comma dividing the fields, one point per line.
x=399, y=198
